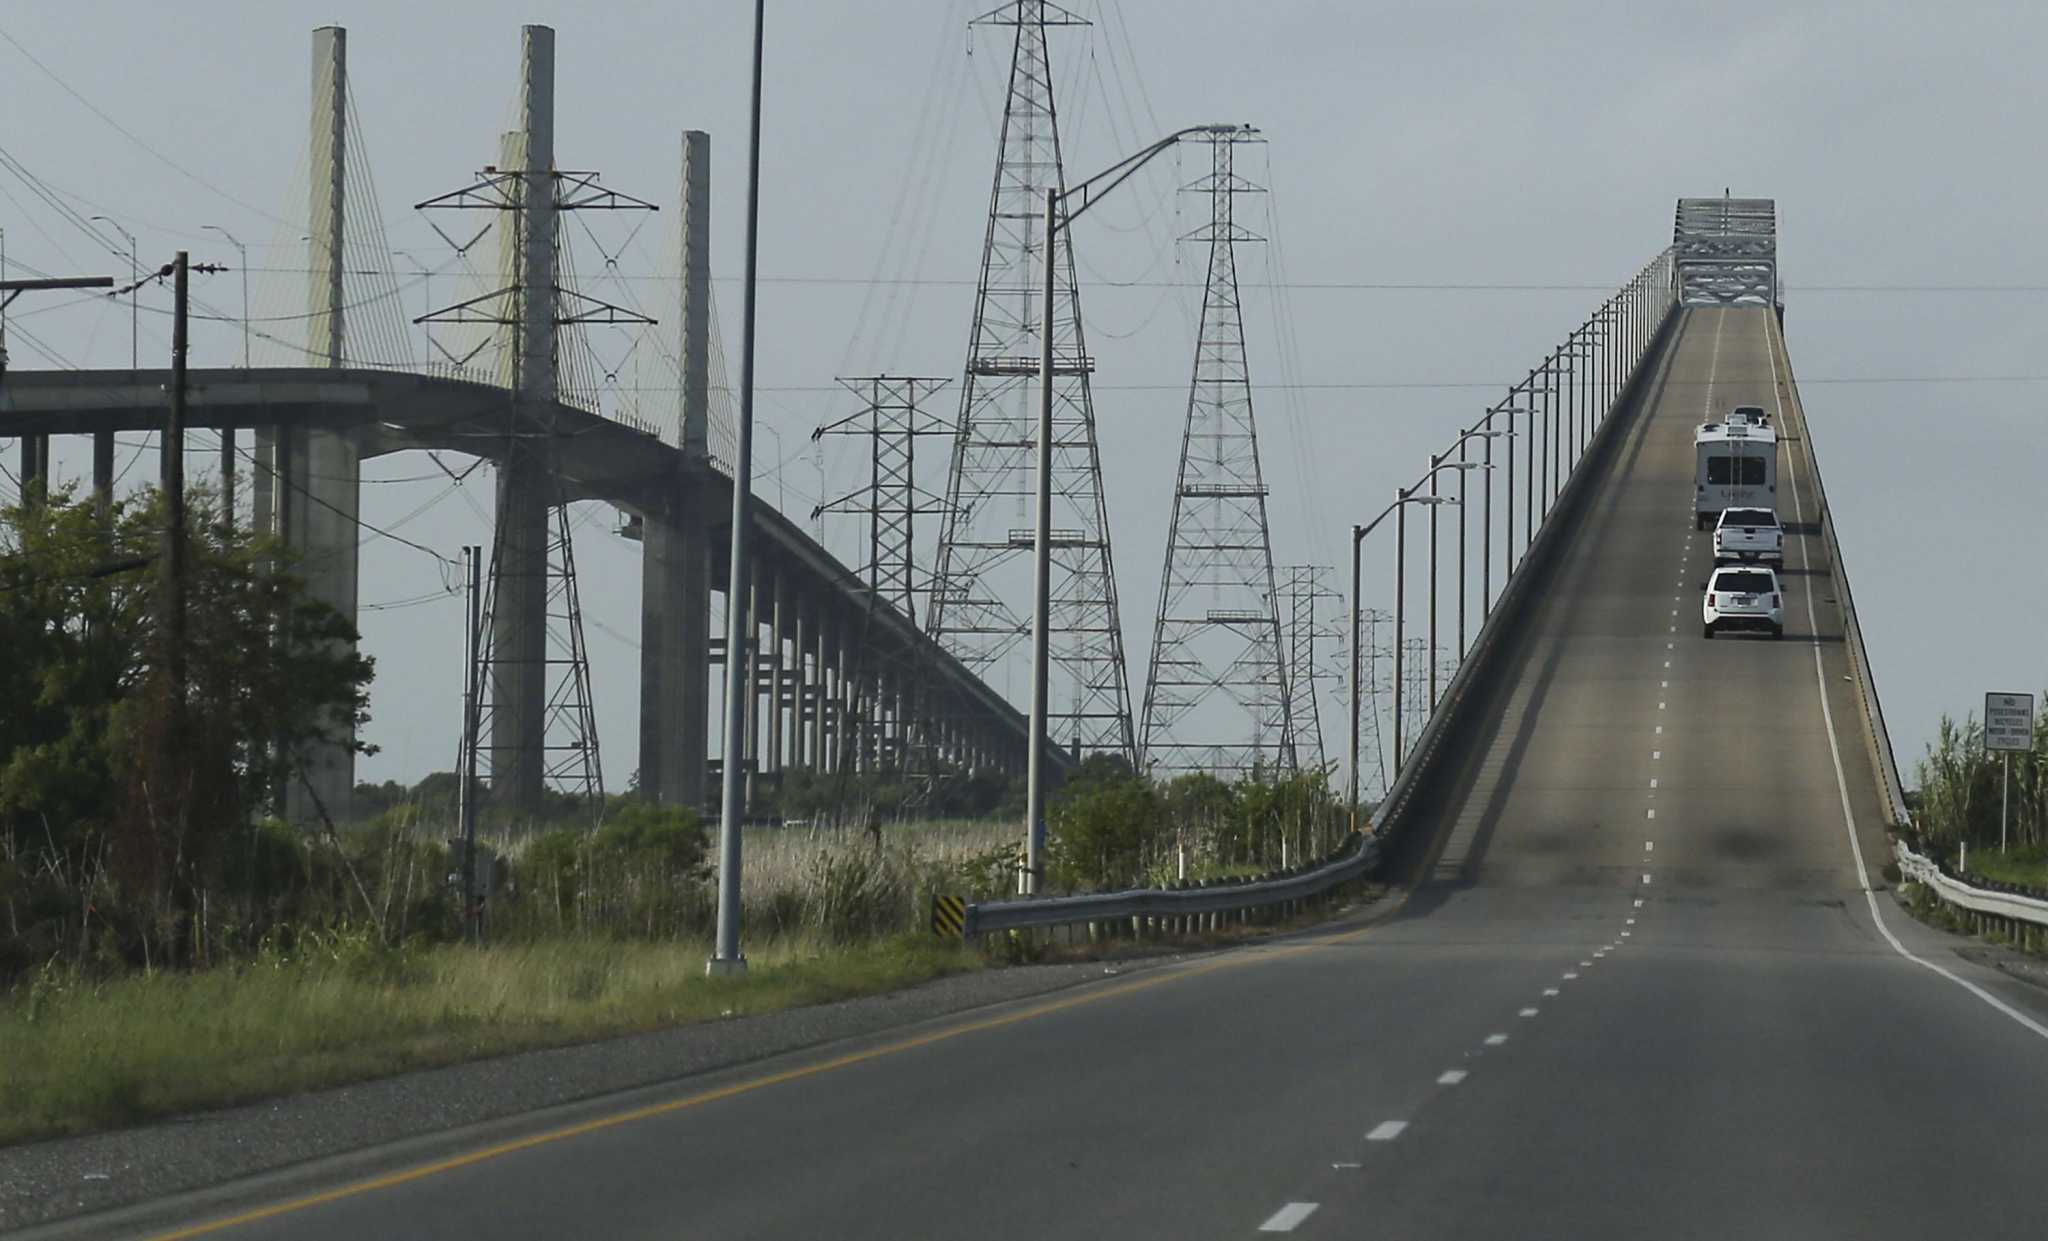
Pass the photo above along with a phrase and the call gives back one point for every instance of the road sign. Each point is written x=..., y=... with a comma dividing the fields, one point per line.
x=949, y=916
x=2008, y=721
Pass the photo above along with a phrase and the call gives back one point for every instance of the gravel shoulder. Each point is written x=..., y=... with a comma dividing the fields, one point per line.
x=48, y=1181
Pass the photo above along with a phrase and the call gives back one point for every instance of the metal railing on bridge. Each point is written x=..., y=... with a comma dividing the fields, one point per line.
x=1564, y=410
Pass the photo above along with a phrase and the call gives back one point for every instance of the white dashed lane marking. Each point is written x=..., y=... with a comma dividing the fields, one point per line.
x=1450, y=1077
x=1495, y=1040
x=1289, y=1217
x=1527, y=1012
x=1386, y=1131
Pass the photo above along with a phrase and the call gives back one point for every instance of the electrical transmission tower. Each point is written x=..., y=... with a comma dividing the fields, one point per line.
x=1371, y=655
x=893, y=419
x=1308, y=631
x=569, y=755
x=1218, y=631
x=982, y=579
x=1414, y=692
x=532, y=659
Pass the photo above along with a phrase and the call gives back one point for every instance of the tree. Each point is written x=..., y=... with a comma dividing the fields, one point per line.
x=99, y=758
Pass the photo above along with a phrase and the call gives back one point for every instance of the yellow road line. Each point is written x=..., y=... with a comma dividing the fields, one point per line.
x=423, y=1171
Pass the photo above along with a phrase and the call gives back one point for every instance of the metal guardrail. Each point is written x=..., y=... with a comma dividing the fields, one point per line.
x=1875, y=733
x=1175, y=908
x=1981, y=901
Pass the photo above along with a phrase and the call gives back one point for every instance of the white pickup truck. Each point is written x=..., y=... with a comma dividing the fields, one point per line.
x=1749, y=534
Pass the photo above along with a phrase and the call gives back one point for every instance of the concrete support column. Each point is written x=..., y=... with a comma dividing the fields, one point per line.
x=840, y=753
x=35, y=466
x=820, y=695
x=799, y=686
x=750, y=737
x=103, y=472
x=778, y=633
x=675, y=658
x=315, y=483
x=675, y=600
x=525, y=479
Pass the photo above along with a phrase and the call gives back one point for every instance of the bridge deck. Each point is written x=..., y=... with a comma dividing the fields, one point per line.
x=598, y=459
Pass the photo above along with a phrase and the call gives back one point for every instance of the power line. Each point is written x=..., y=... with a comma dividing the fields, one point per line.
x=125, y=132
x=1368, y=286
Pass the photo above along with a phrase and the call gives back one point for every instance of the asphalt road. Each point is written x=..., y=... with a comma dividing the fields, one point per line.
x=1640, y=992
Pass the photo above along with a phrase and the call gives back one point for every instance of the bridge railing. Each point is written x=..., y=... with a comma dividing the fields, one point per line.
x=1877, y=737
x=1629, y=329
x=1635, y=319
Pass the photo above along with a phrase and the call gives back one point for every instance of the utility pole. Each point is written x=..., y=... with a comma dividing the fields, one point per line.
x=466, y=790
x=174, y=485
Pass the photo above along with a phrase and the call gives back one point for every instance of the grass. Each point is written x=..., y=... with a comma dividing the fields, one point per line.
x=77, y=1055
x=2028, y=866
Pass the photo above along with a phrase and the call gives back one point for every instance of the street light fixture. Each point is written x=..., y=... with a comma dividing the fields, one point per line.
x=1437, y=465
x=1084, y=195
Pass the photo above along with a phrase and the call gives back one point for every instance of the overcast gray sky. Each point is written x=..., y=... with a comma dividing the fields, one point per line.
x=1471, y=144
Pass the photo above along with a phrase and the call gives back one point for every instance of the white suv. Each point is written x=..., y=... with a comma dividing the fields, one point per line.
x=1743, y=597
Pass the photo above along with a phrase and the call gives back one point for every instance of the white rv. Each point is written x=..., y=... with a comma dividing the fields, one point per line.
x=1735, y=466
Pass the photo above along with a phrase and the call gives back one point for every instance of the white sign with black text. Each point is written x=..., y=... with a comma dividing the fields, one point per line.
x=2008, y=722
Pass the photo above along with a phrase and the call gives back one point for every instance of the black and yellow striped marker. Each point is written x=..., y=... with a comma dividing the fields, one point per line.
x=949, y=916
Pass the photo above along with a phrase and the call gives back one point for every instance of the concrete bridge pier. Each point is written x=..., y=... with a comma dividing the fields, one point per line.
x=526, y=480
x=778, y=633
x=308, y=488
x=310, y=481
x=676, y=551
x=675, y=670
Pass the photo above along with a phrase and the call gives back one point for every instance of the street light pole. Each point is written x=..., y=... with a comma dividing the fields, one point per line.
x=726, y=958
x=1082, y=196
x=227, y=430
x=1403, y=498
x=1041, y=574
x=103, y=441
x=1357, y=536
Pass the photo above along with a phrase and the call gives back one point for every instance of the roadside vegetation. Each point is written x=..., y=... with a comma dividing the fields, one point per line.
x=1957, y=805
x=168, y=943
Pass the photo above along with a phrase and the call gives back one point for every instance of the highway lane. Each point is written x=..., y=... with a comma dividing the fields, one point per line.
x=1639, y=992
